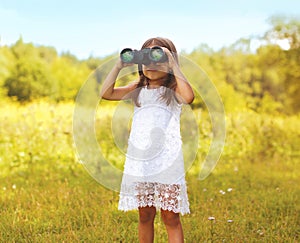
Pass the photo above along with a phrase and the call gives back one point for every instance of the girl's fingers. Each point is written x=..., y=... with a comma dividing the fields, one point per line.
x=171, y=60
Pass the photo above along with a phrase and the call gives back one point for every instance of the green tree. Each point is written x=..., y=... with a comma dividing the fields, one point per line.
x=48, y=54
x=30, y=77
x=284, y=28
x=70, y=76
x=6, y=65
x=283, y=78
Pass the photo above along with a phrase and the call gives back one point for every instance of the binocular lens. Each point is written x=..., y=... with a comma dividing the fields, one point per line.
x=127, y=55
x=156, y=54
x=145, y=56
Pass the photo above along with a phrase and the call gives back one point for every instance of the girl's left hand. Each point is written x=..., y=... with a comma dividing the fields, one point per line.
x=171, y=61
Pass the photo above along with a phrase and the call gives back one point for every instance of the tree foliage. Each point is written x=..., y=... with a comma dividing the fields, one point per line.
x=265, y=80
x=30, y=78
x=284, y=28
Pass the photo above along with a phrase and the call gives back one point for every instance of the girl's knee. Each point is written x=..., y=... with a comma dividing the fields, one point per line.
x=170, y=218
x=147, y=214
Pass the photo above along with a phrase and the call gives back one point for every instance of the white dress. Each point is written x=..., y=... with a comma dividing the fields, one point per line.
x=154, y=172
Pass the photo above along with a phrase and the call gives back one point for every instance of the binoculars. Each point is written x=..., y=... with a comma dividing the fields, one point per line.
x=145, y=56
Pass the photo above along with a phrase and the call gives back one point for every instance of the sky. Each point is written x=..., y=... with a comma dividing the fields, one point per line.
x=99, y=28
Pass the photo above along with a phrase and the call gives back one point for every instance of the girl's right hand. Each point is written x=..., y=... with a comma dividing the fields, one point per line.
x=120, y=64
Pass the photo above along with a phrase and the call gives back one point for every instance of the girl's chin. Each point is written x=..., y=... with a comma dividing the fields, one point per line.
x=155, y=79
x=154, y=75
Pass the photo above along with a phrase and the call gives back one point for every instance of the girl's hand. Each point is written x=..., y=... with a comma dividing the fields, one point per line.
x=171, y=61
x=183, y=89
x=121, y=64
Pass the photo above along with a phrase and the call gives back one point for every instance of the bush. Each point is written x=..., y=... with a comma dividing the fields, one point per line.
x=30, y=79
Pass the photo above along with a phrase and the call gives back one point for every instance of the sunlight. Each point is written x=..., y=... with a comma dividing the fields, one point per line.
x=284, y=44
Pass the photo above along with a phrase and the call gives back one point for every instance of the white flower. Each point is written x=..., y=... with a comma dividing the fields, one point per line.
x=229, y=221
x=22, y=154
x=14, y=186
x=229, y=189
x=211, y=218
x=222, y=192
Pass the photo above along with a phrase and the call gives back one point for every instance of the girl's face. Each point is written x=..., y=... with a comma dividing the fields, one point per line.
x=156, y=71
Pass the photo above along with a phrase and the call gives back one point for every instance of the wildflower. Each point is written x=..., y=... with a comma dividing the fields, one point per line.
x=222, y=192
x=14, y=186
x=4, y=188
x=229, y=189
x=229, y=221
x=211, y=218
x=22, y=154
x=204, y=189
x=260, y=232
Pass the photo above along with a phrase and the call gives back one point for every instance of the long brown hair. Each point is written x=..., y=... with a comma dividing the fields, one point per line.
x=170, y=82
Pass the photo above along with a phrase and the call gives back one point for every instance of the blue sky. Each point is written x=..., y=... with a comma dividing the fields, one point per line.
x=101, y=28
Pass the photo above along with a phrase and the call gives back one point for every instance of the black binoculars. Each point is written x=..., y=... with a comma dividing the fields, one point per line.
x=145, y=56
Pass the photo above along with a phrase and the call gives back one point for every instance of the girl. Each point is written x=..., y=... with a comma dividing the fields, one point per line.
x=153, y=175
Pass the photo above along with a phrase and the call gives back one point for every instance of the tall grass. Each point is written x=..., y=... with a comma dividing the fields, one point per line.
x=46, y=195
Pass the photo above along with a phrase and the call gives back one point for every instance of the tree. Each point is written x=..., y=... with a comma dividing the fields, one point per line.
x=6, y=65
x=70, y=76
x=30, y=77
x=284, y=28
x=288, y=63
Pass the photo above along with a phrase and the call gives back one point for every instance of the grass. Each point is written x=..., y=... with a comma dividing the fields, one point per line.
x=47, y=196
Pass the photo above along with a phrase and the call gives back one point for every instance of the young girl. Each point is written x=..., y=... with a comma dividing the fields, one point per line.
x=154, y=176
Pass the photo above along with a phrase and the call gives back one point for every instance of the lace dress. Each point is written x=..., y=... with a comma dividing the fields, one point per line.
x=154, y=168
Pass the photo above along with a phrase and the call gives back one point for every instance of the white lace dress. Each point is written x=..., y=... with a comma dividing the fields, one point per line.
x=154, y=172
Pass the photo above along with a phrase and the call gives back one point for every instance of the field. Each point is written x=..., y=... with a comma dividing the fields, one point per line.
x=46, y=195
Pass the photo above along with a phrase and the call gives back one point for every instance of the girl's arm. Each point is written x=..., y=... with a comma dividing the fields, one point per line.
x=183, y=90
x=109, y=91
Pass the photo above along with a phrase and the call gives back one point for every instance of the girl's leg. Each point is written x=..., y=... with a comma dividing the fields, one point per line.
x=173, y=226
x=146, y=224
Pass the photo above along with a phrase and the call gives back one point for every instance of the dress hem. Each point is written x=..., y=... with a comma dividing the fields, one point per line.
x=185, y=212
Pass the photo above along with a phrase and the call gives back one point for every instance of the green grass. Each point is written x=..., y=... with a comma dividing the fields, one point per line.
x=47, y=196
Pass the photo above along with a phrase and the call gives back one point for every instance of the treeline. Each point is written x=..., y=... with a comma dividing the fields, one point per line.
x=29, y=72
x=265, y=80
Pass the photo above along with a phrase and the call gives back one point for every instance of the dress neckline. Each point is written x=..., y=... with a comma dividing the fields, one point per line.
x=159, y=87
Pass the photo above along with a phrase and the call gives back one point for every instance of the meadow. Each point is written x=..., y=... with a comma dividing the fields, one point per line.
x=46, y=195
